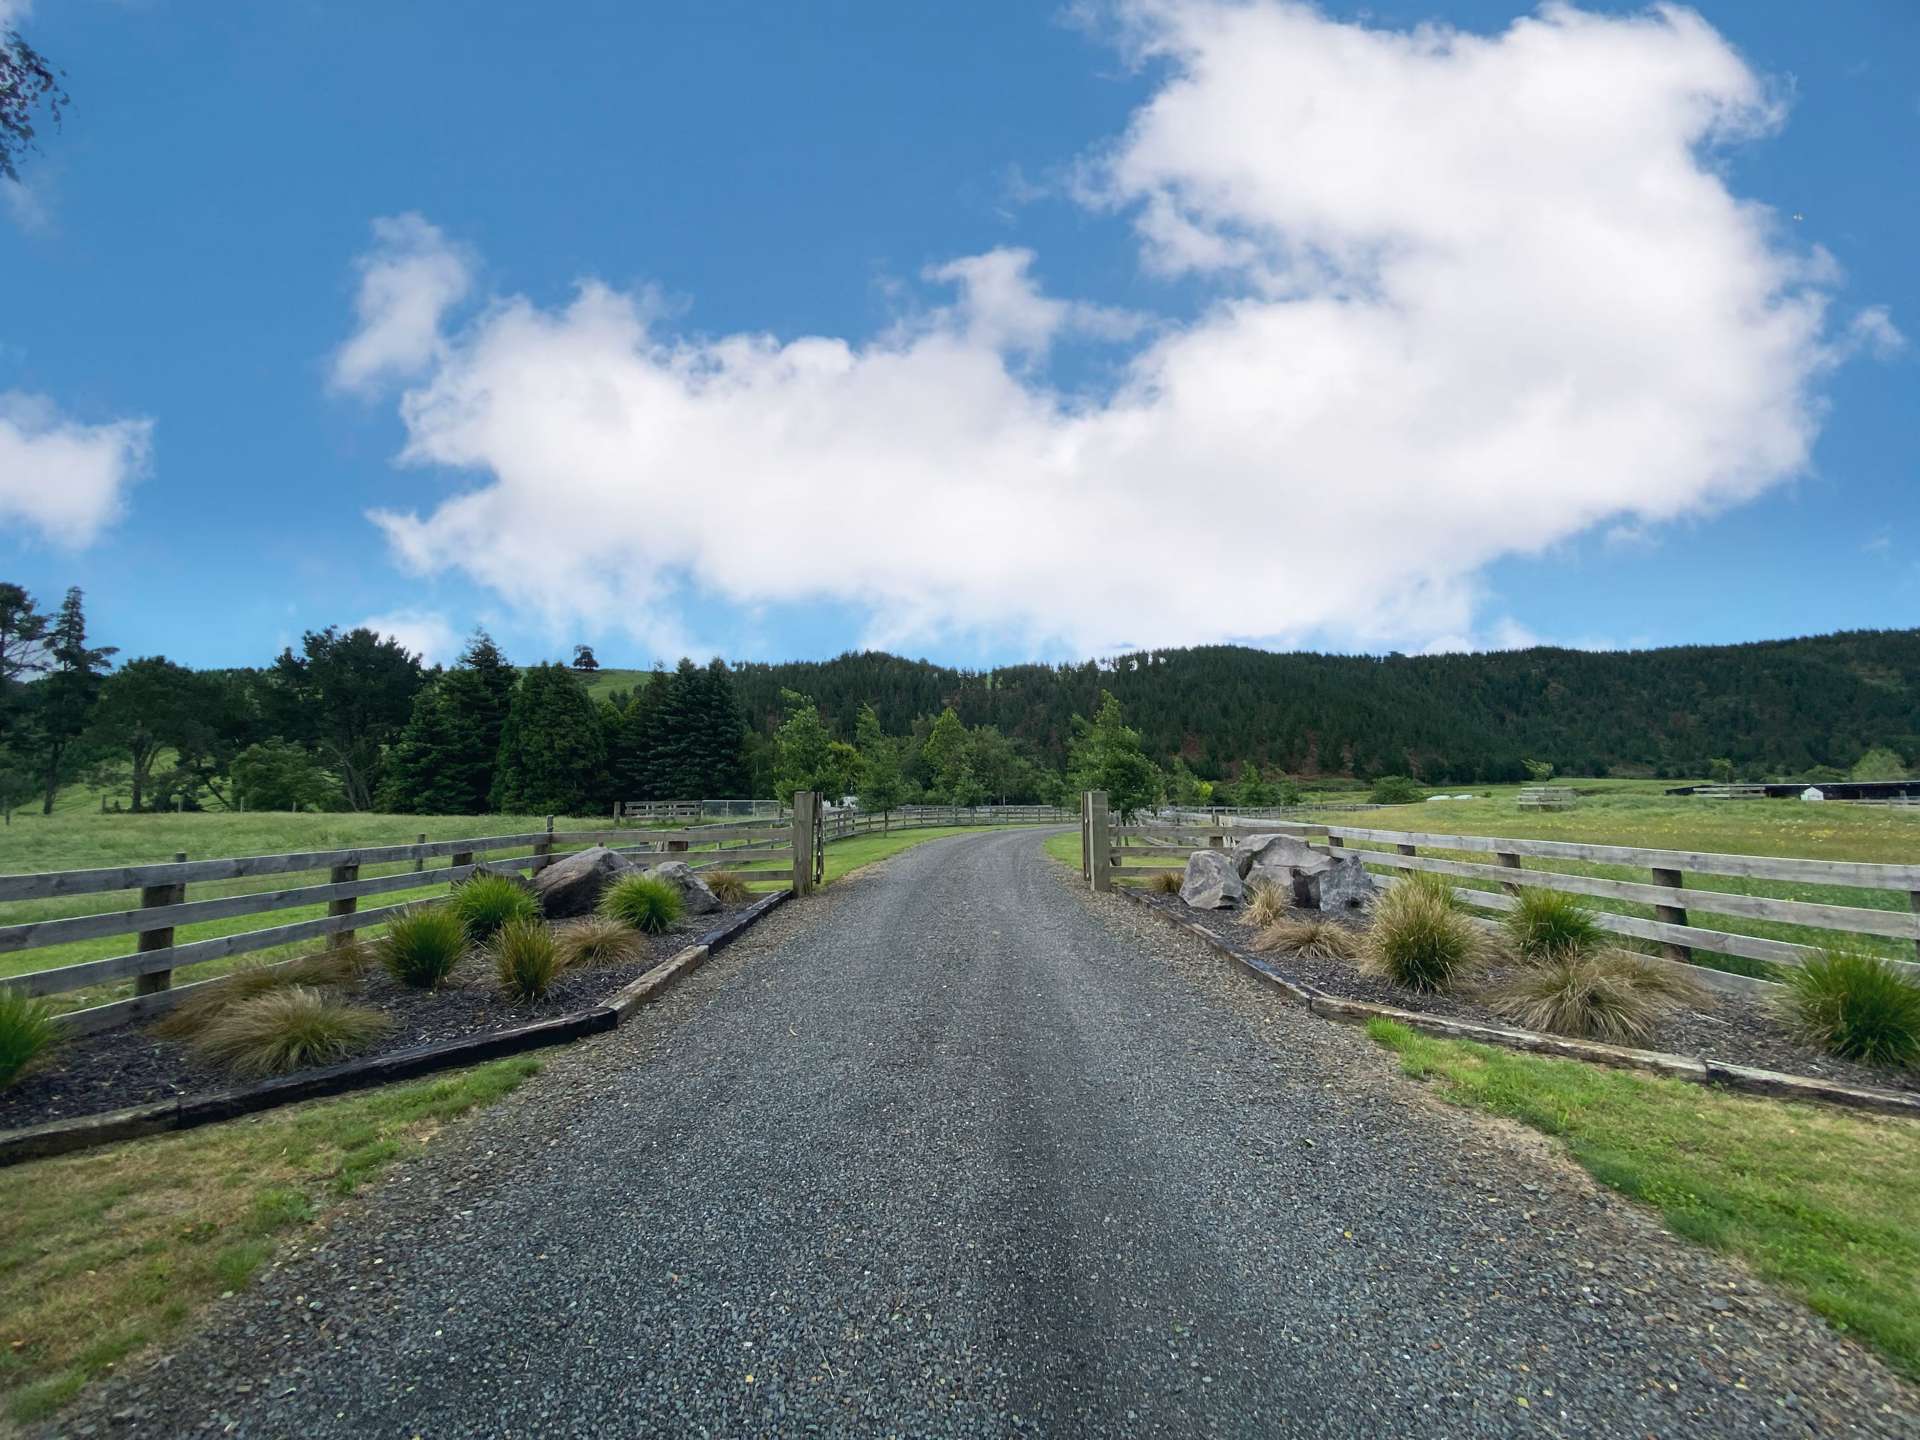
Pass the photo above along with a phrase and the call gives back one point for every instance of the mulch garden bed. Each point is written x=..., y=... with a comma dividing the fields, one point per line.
x=1731, y=1028
x=92, y=1074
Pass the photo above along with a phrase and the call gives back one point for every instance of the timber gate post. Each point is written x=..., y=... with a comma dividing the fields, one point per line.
x=806, y=809
x=1100, y=833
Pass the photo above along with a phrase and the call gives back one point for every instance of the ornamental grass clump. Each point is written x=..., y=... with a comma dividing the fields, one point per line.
x=1165, y=882
x=1311, y=935
x=287, y=1029
x=331, y=969
x=729, y=887
x=644, y=902
x=422, y=946
x=1421, y=939
x=526, y=959
x=1609, y=995
x=26, y=1033
x=486, y=902
x=1266, y=905
x=1547, y=923
x=1855, y=1005
x=594, y=940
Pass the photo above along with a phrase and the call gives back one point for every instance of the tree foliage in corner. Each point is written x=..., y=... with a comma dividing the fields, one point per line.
x=1105, y=754
x=28, y=81
x=553, y=752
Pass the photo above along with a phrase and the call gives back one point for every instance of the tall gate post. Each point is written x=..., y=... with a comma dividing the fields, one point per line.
x=1086, y=836
x=805, y=803
x=1101, y=836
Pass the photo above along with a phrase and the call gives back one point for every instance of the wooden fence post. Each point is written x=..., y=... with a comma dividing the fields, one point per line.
x=543, y=851
x=340, y=875
x=152, y=896
x=1100, y=832
x=1086, y=836
x=462, y=857
x=420, y=861
x=803, y=803
x=1913, y=903
x=1672, y=915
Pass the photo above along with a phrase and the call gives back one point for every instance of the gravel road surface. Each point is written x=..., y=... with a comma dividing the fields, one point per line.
x=958, y=1149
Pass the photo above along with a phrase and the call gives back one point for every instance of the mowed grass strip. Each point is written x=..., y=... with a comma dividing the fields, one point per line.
x=108, y=1252
x=1824, y=1202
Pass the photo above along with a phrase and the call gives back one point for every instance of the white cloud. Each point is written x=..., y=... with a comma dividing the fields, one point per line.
x=12, y=12
x=62, y=478
x=408, y=281
x=1476, y=295
x=427, y=633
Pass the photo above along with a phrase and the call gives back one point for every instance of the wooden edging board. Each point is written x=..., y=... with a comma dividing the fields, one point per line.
x=62, y=1137
x=1701, y=1070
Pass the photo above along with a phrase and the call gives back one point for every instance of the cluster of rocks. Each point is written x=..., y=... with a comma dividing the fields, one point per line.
x=573, y=886
x=1313, y=879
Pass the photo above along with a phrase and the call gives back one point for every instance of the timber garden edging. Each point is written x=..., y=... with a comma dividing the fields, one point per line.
x=64, y=1137
x=1700, y=1070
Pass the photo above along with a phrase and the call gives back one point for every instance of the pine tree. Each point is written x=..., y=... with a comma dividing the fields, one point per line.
x=723, y=734
x=1106, y=755
x=635, y=757
x=553, y=755
x=66, y=697
x=443, y=762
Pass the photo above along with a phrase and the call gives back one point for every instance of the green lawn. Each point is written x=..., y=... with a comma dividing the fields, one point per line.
x=845, y=856
x=1825, y=1202
x=108, y=1252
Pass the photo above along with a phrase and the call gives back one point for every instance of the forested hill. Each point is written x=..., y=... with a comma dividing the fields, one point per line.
x=1780, y=706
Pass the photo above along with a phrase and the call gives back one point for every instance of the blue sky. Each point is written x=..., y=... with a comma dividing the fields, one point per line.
x=192, y=247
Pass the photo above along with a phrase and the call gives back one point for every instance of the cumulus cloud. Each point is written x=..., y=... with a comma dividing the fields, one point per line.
x=408, y=281
x=1473, y=295
x=427, y=633
x=66, y=480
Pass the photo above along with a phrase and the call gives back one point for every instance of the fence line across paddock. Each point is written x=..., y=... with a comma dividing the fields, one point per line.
x=1875, y=902
x=769, y=853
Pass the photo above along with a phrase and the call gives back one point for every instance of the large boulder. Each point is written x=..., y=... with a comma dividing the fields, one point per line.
x=1341, y=883
x=695, y=897
x=573, y=886
x=482, y=868
x=1271, y=851
x=1211, y=882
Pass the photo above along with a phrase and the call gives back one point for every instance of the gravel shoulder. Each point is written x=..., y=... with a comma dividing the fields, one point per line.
x=957, y=1148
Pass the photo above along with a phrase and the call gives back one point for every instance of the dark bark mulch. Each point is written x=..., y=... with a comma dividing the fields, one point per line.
x=1731, y=1028
x=119, y=1068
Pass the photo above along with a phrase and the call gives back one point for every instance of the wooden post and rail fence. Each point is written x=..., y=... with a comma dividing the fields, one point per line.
x=769, y=853
x=1881, y=901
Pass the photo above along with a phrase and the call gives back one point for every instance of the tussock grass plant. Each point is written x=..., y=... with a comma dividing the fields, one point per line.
x=1267, y=905
x=334, y=968
x=1547, y=923
x=287, y=1029
x=1609, y=995
x=595, y=940
x=644, y=902
x=1311, y=935
x=1165, y=882
x=422, y=946
x=525, y=958
x=26, y=1033
x=729, y=887
x=486, y=902
x=1421, y=939
x=1856, y=1006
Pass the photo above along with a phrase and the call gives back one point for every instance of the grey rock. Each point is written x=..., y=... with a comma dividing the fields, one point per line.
x=483, y=868
x=1270, y=850
x=695, y=897
x=572, y=886
x=1211, y=882
x=1337, y=884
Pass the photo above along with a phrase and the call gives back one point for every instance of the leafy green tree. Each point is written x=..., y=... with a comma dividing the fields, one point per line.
x=807, y=759
x=583, y=658
x=64, y=703
x=1106, y=754
x=1538, y=770
x=1879, y=763
x=16, y=784
x=1183, y=788
x=1256, y=790
x=443, y=761
x=1720, y=770
x=1287, y=793
x=1396, y=790
x=883, y=788
x=553, y=755
x=147, y=705
x=278, y=775
x=347, y=696
x=23, y=652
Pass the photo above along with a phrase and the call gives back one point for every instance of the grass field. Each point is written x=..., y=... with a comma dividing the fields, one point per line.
x=1824, y=1202
x=108, y=1252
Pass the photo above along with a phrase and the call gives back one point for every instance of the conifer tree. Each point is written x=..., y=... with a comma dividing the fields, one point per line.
x=882, y=786
x=443, y=762
x=553, y=755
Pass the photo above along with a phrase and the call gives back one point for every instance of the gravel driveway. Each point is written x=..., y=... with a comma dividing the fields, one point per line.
x=958, y=1149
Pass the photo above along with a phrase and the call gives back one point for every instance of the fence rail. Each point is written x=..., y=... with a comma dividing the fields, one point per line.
x=1149, y=846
